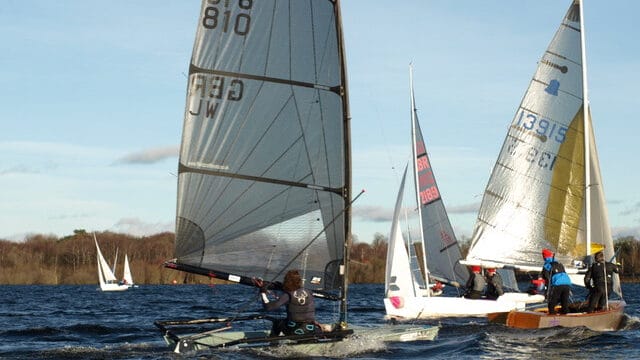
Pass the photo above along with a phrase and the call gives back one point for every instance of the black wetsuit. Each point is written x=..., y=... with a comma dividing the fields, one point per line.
x=301, y=313
x=598, y=286
x=494, y=286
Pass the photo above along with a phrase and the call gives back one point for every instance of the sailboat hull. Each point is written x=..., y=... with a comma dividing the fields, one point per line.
x=438, y=307
x=113, y=287
x=326, y=344
x=608, y=320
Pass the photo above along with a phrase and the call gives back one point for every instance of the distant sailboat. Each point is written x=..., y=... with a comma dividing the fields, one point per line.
x=406, y=295
x=106, y=277
x=546, y=188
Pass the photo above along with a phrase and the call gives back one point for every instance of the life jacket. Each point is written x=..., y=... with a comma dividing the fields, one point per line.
x=478, y=283
x=556, y=272
x=301, y=307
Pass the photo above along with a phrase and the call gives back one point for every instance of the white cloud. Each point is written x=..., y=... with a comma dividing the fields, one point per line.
x=150, y=156
x=18, y=169
x=373, y=213
x=633, y=210
x=137, y=227
x=623, y=231
x=464, y=209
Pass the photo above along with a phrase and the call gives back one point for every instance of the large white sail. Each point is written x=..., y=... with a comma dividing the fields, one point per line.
x=127, y=277
x=538, y=192
x=264, y=162
x=105, y=273
x=264, y=177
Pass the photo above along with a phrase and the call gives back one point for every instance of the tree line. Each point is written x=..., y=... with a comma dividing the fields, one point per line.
x=72, y=260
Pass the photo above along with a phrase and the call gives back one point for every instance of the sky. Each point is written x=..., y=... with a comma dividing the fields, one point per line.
x=92, y=97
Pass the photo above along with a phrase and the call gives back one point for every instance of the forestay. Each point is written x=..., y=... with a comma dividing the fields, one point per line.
x=264, y=164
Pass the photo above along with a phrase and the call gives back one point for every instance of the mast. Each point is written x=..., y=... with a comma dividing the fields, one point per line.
x=416, y=180
x=347, y=168
x=587, y=132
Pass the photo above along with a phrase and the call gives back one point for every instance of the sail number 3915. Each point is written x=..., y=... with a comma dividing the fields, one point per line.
x=216, y=18
x=544, y=128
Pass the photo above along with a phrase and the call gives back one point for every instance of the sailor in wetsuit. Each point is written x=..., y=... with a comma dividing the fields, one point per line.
x=301, y=308
x=599, y=281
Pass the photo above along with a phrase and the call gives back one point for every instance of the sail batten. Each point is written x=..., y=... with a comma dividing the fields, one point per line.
x=183, y=168
x=333, y=88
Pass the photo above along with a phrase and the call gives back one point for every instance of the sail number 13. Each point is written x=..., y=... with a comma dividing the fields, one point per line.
x=215, y=18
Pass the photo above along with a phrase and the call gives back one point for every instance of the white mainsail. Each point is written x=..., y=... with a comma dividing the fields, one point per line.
x=546, y=189
x=400, y=281
x=127, y=276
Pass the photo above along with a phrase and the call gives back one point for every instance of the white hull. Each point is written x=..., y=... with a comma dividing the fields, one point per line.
x=440, y=306
x=113, y=287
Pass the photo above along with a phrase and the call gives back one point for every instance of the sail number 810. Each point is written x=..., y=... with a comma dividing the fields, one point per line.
x=214, y=17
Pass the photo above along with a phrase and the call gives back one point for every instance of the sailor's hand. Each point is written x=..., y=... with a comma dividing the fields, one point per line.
x=259, y=283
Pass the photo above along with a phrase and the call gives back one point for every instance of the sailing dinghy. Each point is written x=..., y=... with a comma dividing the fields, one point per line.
x=546, y=189
x=405, y=298
x=264, y=176
x=106, y=277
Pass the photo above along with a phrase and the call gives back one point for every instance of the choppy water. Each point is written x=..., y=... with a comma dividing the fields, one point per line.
x=81, y=322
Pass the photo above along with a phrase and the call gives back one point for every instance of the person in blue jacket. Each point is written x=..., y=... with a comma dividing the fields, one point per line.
x=557, y=281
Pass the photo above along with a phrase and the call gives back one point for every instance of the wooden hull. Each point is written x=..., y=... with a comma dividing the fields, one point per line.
x=608, y=320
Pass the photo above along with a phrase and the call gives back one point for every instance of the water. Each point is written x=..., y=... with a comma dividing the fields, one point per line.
x=81, y=322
